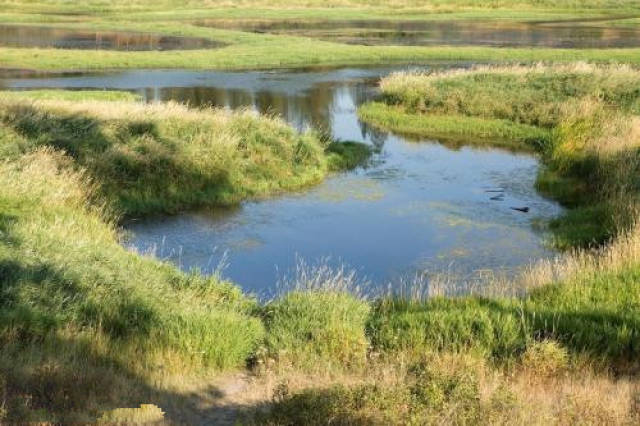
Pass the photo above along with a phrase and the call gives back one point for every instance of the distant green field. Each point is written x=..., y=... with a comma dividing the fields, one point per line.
x=250, y=51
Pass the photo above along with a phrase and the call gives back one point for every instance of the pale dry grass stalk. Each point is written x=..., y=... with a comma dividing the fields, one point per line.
x=322, y=276
x=575, y=265
x=450, y=283
x=580, y=398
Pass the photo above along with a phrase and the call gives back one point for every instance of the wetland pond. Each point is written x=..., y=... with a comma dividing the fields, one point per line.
x=418, y=206
x=594, y=33
x=63, y=38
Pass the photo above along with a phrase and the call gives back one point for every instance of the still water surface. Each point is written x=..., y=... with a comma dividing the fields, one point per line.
x=418, y=206
x=560, y=34
x=63, y=38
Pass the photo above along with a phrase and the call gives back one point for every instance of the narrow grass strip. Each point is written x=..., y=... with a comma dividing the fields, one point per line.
x=454, y=128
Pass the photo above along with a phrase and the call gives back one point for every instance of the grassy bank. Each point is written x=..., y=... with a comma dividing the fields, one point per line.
x=581, y=118
x=564, y=351
x=86, y=324
x=89, y=326
x=292, y=52
x=427, y=6
x=166, y=157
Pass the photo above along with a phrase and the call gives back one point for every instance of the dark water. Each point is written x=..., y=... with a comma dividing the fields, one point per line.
x=567, y=34
x=419, y=206
x=61, y=38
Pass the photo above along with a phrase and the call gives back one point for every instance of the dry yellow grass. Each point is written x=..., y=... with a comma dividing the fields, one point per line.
x=517, y=395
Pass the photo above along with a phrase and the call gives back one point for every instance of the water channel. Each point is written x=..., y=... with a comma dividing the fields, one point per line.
x=418, y=206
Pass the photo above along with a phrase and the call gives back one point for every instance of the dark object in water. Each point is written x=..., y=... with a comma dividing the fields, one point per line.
x=494, y=190
x=497, y=198
x=521, y=209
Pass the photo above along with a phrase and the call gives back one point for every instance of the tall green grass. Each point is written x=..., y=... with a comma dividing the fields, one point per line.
x=532, y=95
x=165, y=157
x=452, y=129
x=71, y=294
x=597, y=316
x=318, y=321
x=71, y=95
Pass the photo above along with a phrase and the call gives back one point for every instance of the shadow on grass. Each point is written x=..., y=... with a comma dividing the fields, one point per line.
x=65, y=381
x=61, y=346
x=135, y=165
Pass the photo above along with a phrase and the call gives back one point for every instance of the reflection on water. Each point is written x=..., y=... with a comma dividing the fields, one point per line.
x=568, y=34
x=417, y=206
x=61, y=38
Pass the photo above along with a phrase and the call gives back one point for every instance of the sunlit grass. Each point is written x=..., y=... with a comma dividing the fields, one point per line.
x=166, y=157
x=70, y=95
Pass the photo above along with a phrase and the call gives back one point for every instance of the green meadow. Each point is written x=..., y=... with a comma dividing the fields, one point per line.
x=264, y=51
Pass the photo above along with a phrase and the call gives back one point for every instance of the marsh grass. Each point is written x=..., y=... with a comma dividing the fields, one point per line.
x=557, y=345
x=317, y=321
x=75, y=300
x=152, y=158
x=458, y=388
x=71, y=95
x=266, y=51
x=310, y=4
x=55, y=361
x=454, y=130
x=76, y=306
x=88, y=327
x=585, y=299
x=532, y=95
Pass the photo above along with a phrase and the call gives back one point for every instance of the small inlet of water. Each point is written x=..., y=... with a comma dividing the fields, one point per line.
x=419, y=206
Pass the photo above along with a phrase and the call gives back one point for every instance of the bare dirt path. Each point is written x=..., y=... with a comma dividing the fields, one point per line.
x=225, y=401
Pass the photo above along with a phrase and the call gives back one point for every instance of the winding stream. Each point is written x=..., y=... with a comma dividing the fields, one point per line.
x=418, y=206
